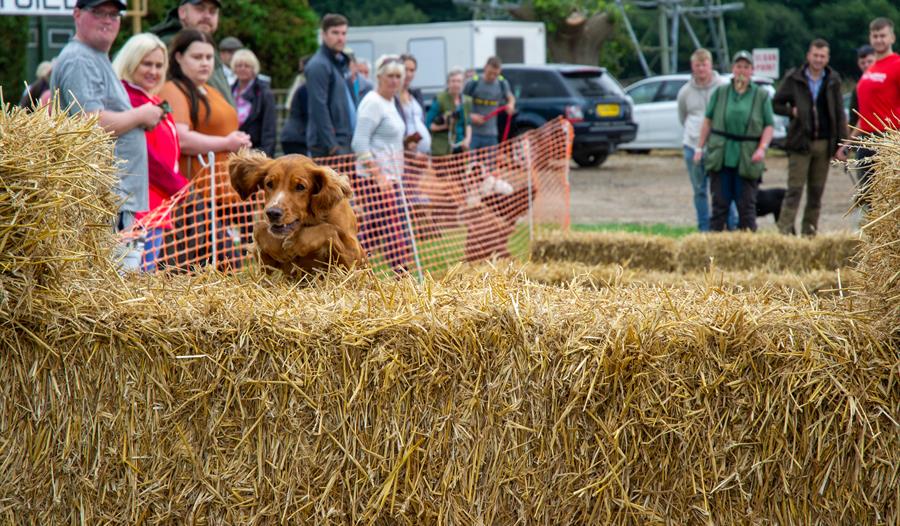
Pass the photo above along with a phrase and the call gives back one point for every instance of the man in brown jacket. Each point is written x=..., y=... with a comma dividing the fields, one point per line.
x=811, y=96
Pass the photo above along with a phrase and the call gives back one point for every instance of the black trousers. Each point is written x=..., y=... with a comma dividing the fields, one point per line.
x=866, y=169
x=294, y=147
x=727, y=186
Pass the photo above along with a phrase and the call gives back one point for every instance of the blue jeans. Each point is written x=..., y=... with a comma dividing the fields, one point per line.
x=700, y=184
x=483, y=141
x=152, y=246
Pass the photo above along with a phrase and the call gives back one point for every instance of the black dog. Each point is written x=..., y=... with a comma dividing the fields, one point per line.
x=768, y=201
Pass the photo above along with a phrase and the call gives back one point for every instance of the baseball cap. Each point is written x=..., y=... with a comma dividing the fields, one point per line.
x=195, y=2
x=742, y=55
x=231, y=44
x=864, y=51
x=81, y=4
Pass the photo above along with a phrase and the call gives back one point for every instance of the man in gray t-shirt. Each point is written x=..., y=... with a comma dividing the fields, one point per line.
x=86, y=83
x=488, y=92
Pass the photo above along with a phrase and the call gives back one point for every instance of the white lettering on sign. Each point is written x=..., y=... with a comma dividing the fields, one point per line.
x=765, y=62
x=37, y=7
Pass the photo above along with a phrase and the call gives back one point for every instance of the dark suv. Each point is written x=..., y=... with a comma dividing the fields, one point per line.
x=588, y=96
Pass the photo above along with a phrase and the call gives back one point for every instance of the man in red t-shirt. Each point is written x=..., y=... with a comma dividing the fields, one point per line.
x=878, y=91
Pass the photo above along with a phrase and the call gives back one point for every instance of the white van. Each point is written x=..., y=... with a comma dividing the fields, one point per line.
x=441, y=46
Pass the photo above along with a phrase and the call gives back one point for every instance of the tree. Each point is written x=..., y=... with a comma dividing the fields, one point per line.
x=279, y=32
x=576, y=29
x=373, y=12
x=13, y=38
x=845, y=25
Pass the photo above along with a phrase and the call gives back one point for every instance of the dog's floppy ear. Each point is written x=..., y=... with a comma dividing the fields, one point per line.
x=247, y=171
x=329, y=188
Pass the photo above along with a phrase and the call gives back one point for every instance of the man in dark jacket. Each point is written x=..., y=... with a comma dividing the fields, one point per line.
x=331, y=109
x=202, y=15
x=811, y=96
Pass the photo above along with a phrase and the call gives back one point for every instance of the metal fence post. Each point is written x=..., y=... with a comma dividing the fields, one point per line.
x=210, y=163
x=526, y=142
x=409, y=226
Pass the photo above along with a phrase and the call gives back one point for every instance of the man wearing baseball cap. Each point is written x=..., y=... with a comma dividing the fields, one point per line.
x=202, y=15
x=84, y=77
x=736, y=132
x=227, y=47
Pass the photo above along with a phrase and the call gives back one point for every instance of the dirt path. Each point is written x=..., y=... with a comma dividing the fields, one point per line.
x=655, y=189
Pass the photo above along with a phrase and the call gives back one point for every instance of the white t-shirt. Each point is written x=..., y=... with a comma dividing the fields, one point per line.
x=379, y=134
x=415, y=122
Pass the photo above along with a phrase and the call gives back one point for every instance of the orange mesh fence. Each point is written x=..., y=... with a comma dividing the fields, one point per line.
x=416, y=214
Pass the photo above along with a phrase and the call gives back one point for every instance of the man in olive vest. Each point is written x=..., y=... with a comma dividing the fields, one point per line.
x=736, y=132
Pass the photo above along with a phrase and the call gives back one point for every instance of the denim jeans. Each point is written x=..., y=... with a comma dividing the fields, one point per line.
x=128, y=253
x=700, y=184
x=483, y=141
x=152, y=246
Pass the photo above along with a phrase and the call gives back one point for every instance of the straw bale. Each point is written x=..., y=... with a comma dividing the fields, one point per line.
x=772, y=251
x=880, y=257
x=488, y=399
x=821, y=282
x=631, y=250
x=697, y=252
x=56, y=201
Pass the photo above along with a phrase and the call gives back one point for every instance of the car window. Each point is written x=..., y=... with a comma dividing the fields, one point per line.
x=644, y=93
x=592, y=83
x=514, y=78
x=540, y=84
x=669, y=90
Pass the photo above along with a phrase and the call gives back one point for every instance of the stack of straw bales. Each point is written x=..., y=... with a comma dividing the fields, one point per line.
x=698, y=252
x=488, y=399
x=55, y=202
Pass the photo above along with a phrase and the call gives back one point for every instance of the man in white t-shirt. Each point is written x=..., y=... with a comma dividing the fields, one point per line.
x=692, y=100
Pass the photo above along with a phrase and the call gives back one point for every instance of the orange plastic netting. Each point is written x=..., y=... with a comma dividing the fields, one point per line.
x=440, y=211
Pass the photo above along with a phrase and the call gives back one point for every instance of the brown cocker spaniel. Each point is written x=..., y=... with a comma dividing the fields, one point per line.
x=308, y=223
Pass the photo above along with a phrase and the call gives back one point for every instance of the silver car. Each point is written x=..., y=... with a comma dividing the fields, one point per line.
x=656, y=111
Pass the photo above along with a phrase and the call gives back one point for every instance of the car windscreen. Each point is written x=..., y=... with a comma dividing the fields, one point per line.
x=593, y=83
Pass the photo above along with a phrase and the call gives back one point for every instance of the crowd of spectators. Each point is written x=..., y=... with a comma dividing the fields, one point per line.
x=172, y=94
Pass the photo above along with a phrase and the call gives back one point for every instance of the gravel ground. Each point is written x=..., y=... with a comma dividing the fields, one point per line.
x=654, y=188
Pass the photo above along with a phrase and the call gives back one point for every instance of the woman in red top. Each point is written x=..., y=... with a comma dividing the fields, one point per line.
x=142, y=64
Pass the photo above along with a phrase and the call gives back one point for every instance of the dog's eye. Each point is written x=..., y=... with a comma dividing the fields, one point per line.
x=269, y=184
x=301, y=187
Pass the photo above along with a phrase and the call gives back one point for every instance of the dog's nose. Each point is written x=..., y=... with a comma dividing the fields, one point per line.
x=274, y=214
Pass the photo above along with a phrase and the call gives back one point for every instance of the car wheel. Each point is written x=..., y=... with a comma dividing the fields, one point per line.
x=522, y=129
x=590, y=159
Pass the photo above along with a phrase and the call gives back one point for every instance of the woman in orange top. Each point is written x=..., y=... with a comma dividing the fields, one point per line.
x=206, y=122
x=204, y=119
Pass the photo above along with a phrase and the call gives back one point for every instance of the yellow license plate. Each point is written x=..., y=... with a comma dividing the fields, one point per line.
x=607, y=110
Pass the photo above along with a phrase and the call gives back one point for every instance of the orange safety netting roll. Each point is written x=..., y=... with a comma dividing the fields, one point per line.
x=417, y=214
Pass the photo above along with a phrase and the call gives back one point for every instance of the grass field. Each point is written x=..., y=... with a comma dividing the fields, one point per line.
x=657, y=229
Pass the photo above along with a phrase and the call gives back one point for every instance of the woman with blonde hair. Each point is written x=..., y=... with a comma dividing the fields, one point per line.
x=378, y=144
x=254, y=101
x=141, y=65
